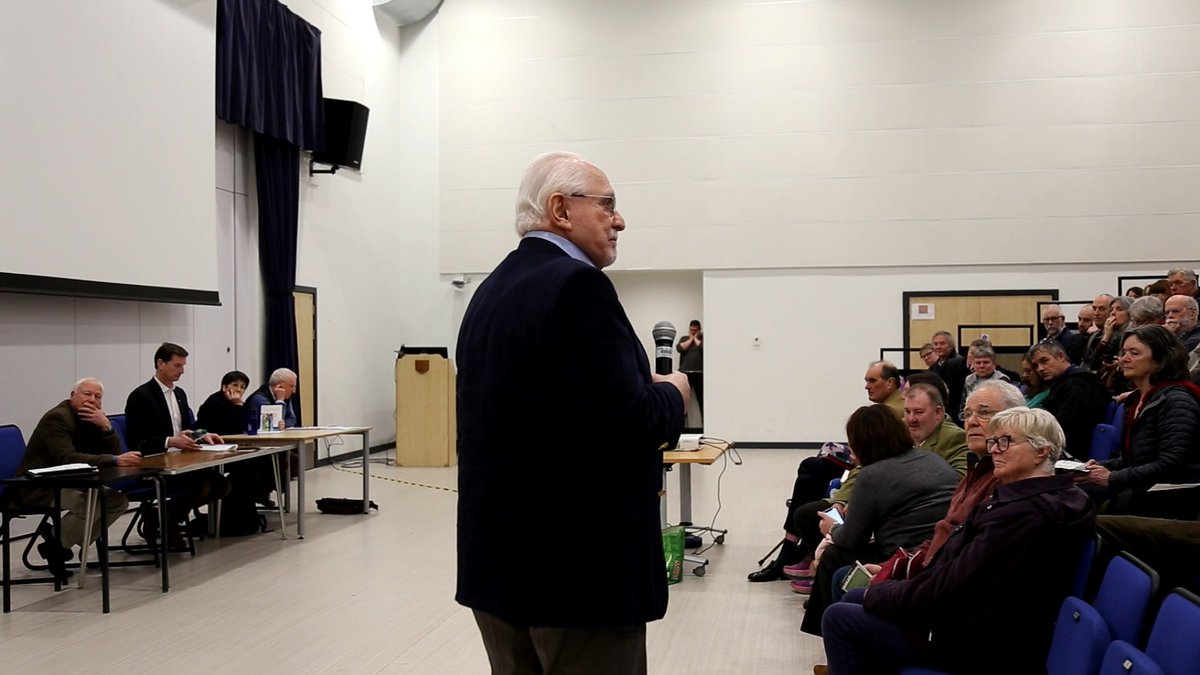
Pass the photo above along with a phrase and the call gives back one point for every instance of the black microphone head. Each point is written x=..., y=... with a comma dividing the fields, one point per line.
x=664, y=330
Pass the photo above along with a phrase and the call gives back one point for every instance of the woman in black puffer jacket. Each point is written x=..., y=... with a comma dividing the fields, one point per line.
x=1162, y=433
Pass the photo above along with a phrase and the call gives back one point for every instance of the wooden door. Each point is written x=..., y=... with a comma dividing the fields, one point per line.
x=1009, y=320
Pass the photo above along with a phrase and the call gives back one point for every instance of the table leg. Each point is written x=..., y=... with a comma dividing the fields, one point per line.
x=87, y=536
x=301, y=505
x=685, y=493
x=662, y=500
x=101, y=550
x=366, y=462
x=160, y=490
x=279, y=496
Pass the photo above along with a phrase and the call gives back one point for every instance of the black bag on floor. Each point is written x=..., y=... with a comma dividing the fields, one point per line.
x=342, y=506
x=240, y=516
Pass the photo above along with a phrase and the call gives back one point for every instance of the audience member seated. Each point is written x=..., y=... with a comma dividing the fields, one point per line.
x=1077, y=399
x=74, y=431
x=931, y=428
x=1008, y=568
x=1056, y=329
x=951, y=367
x=279, y=390
x=1100, y=312
x=1135, y=292
x=902, y=492
x=928, y=355
x=224, y=412
x=1104, y=359
x=1032, y=386
x=1086, y=322
x=157, y=419
x=1159, y=290
x=1182, y=315
x=1182, y=281
x=983, y=369
x=1147, y=311
x=814, y=474
x=1162, y=434
x=978, y=485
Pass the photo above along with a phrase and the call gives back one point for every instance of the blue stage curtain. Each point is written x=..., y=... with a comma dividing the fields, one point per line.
x=269, y=81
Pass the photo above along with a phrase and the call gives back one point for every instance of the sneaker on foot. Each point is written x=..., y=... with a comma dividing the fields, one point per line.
x=802, y=586
x=801, y=570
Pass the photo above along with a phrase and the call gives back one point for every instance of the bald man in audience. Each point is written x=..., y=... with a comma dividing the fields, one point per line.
x=1100, y=310
x=1181, y=311
x=1087, y=322
x=76, y=430
x=1182, y=281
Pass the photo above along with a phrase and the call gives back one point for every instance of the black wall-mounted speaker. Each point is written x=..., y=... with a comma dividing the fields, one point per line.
x=345, y=133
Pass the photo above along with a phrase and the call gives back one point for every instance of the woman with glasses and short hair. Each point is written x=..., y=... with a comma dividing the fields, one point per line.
x=1007, y=568
x=1161, y=446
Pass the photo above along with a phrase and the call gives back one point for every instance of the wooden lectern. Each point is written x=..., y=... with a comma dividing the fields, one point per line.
x=426, y=428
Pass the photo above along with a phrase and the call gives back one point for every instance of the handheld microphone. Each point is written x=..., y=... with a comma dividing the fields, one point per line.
x=664, y=340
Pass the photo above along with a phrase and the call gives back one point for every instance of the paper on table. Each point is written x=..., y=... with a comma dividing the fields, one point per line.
x=78, y=467
x=219, y=447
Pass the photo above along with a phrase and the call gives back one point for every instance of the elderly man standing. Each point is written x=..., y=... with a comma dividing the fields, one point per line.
x=951, y=367
x=74, y=431
x=1181, y=311
x=555, y=393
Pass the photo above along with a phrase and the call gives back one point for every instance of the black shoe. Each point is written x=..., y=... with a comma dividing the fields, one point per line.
x=772, y=572
x=56, y=557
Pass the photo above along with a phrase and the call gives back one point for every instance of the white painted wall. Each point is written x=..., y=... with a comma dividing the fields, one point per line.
x=818, y=330
x=831, y=132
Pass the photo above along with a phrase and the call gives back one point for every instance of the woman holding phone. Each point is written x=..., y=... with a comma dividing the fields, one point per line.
x=900, y=495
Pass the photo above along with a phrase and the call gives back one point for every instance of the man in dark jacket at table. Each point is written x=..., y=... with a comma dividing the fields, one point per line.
x=158, y=419
x=75, y=431
x=561, y=426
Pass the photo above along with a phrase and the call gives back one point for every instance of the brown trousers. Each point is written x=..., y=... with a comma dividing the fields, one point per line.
x=531, y=650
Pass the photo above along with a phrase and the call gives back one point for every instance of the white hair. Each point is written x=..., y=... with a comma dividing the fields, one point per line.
x=1037, y=425
x=280, y=375
x=1010, y=396
x=1190, y=275
x=550, y=172
x=75, y=387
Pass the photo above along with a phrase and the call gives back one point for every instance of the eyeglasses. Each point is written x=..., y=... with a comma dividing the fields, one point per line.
x=606, y=202
x=1001, y=443
x=981, y=415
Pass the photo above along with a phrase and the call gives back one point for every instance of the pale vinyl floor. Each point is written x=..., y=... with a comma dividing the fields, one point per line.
x=375, y=594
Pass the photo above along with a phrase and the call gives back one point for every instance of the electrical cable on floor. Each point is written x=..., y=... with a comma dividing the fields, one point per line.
x=737, y=460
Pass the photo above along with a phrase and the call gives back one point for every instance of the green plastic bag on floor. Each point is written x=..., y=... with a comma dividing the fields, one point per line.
x=673, y=552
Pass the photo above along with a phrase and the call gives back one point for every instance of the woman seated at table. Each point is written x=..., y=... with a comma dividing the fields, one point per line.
x=900, y=495
x=1163, y=422
x=988, y=601
x=224, y=412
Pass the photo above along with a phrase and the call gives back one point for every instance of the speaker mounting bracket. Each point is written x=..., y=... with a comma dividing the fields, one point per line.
x=313, y=170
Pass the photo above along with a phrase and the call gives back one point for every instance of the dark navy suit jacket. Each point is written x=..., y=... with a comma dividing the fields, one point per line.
x=147, y=420
x=560, y=433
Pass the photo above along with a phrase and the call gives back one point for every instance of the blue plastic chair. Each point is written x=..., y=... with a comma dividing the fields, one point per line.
x=1174, y=643
x=1124, y=596
x=1083, y=567
x=1106, y=441
x=12, y=451
x=1080, y=637
x=118, y=424
x=1123, y=658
